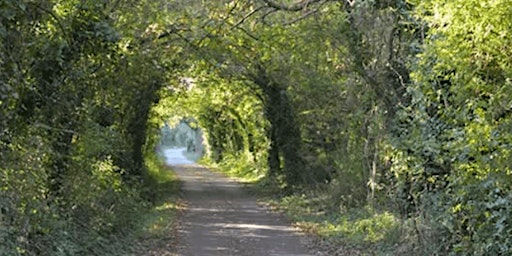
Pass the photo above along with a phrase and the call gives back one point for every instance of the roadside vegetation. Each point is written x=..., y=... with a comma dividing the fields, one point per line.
x=156, y=233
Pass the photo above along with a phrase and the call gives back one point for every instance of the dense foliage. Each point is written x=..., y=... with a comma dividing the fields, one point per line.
x=76, y=86
x=460, y=115
x=397, y=107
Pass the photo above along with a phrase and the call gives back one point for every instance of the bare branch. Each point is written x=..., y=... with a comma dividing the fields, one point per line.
x=303, y=16
x=173, y=30
x=295, y=7
x=264, y=17
x=246, y=17
x=47, y=127
x=306, y=7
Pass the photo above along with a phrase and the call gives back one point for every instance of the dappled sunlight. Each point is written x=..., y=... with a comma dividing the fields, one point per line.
x=167, y=206
x=254, y=226
x=199, y=209
x=222, y=219
x=371, y=228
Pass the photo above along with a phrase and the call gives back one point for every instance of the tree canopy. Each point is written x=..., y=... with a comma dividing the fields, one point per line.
x=399, y=106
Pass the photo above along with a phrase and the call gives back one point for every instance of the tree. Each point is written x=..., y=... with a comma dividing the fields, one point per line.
x=459, y=114
x=65, y=129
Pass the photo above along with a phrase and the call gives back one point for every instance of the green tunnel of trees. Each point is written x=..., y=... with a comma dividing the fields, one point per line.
x=399, y=105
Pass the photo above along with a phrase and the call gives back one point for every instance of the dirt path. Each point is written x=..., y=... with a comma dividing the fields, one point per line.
x=222, y=219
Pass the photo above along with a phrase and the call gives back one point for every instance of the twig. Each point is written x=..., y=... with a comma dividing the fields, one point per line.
x=303, y=16
x=47, y=127
x=247, y=16
x=295, y=7
x=59, y=23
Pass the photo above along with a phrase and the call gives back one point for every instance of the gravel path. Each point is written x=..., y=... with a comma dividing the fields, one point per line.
x=222, y=219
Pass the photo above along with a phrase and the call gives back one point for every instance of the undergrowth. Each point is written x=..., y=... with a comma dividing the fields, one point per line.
x=358, y=230
x=156, y=234
x=241, y=165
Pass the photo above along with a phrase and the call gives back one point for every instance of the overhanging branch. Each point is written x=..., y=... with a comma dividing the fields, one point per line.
x=295, y=7
x=307, y=8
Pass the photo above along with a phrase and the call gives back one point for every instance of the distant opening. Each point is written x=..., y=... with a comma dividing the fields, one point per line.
x=181, y=143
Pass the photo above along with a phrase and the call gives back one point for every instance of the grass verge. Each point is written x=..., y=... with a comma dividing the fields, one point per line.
x=157, y=232
x=357, y=231
x=241, y=167
x=337, y=230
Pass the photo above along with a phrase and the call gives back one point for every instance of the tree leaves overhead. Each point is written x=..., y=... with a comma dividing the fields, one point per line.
x=401, y=106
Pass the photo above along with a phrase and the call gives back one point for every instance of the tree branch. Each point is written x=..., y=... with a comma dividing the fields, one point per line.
x=307, y=7
x=59, y=23
x=303, y=16
x=295, y=7
x=246, y=17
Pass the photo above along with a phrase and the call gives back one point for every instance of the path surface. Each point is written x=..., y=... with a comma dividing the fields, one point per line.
x=221, y=219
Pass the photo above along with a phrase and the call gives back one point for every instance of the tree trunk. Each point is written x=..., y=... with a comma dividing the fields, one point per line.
x=274, y=162
x=285, y=137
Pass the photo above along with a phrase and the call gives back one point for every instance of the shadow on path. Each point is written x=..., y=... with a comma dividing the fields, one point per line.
x=222, y=219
